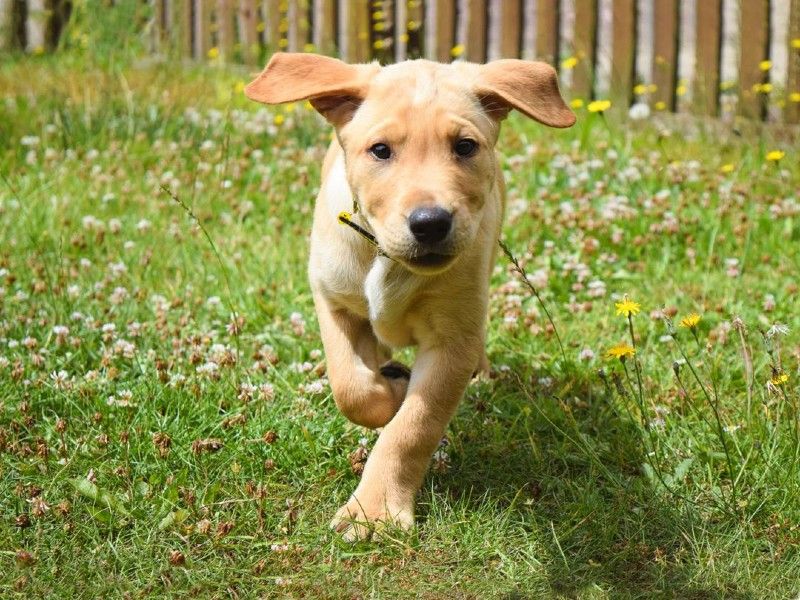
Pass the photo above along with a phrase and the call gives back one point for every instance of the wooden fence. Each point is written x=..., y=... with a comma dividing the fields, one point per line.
x=714, y=57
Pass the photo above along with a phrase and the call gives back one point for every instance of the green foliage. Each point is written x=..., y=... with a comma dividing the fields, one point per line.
x=153, y=442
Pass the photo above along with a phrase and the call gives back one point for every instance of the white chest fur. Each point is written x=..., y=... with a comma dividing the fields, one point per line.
x=389, y=289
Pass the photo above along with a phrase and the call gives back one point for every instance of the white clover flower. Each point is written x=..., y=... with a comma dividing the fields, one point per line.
x=777, y=329
x=639, y=111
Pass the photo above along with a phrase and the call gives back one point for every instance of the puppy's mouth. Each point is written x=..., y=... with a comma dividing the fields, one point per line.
x=431, y=260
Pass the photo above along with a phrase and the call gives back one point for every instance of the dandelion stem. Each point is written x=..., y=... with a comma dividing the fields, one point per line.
x=524, y=276
x=224, y=270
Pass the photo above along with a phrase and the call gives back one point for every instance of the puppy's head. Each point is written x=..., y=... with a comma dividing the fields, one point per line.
x=418, y=139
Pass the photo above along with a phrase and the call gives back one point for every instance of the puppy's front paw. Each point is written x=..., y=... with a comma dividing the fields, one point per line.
x=361, y=520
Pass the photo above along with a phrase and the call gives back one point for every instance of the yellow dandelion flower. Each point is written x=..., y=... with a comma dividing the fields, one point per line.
x=652, y=88
x=213, y=53
x=403, y=37
x=599, y=106
x=457, y=50
x=377, y=15
x=794, y=96
x=796, y=43
x=779, y=379
x=289, y=107
x=379, y=26
x=726, y=85
x=283, y=43
x=627, y=307
x=576, y=103
x=279, y=119
x=660, y=105
x=640, y=89
x=309, y=47
x=681, y=90
x=379, y=44
x=690, y=321
x=727, y=168
x=308, y=106
x=620, y=351
x=238, y=87
x=569, y=63
x=762, y=88
x=765, y=65
x=261, y=26
x=775, y=155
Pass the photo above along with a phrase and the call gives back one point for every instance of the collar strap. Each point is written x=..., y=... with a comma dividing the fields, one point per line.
x=346, y=218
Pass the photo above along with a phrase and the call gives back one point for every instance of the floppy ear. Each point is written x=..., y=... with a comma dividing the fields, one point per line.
x=528, y=86
x=334, y=88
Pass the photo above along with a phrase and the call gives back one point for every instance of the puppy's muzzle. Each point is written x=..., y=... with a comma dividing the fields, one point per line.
x=431, y=226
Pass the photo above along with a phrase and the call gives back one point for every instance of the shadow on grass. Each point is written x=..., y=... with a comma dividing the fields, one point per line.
x=570, y=473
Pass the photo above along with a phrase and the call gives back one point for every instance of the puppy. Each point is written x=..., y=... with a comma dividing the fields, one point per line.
x=413, y=161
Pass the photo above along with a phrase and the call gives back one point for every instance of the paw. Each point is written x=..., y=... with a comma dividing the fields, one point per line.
x=362, y=521
x=395, y=370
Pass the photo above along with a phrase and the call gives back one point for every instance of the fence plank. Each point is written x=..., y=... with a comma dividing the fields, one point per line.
x=445, y=29
x=475, y=40
x=36, y=25
x=6, y=24
x=354, y=31
x=272, y=23
x=792, y=111
x=584, y=47
x=547, y=18
x=298, y=25
x=400, y=30
x=623, y=49
x=754, y=49
x=323, y=36
x=179, y=25
x=708, y=54
x=247, y=20
x=511, y=28
x=202, y=28
x=665, y=51
x=224, y=25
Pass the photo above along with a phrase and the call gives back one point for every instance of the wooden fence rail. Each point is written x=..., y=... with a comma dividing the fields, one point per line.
x=714, y=57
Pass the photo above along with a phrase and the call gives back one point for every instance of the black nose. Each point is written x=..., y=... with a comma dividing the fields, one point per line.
x=430, y=225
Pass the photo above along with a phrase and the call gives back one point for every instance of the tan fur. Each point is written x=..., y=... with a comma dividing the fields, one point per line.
x=368, y=304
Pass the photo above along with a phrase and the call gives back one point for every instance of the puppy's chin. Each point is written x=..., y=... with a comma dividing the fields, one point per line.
x=431, y=263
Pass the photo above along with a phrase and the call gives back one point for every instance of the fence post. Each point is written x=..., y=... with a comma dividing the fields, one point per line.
x=475, y=38
x=39, y=12
x=584, y=39
x=665, y=51
x=7, y=23
x=202, y=28
x=510, y=28
x=754, y=29
x=324, y=26
x=246, y=17
x=180, y=20
x=445, y=29
x=708, y=53
x=547, y=18
x=792, y=112
x=623, y=50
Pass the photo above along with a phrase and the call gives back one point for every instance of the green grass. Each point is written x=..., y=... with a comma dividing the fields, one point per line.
x=558, y=482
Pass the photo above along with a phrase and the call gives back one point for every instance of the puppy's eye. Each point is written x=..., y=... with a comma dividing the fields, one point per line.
x=380, y=151
x=465, y=147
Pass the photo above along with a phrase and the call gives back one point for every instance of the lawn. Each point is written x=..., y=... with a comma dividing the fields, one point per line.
x=166, y=427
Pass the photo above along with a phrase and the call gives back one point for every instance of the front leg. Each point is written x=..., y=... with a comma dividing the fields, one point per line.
x=366, y=388
x=398, y=462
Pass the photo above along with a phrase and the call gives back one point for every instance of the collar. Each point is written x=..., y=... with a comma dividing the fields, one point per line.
x=346, y=218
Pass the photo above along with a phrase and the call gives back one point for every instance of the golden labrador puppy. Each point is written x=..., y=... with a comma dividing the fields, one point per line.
x=414, y=162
